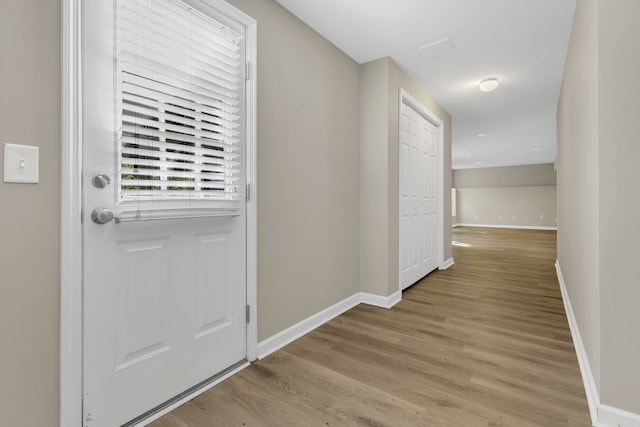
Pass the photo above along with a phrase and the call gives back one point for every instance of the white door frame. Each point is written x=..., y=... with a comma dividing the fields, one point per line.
x=71, y=204
x=410, y=101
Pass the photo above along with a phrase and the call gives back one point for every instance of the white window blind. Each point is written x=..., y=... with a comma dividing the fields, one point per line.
x=180, y=78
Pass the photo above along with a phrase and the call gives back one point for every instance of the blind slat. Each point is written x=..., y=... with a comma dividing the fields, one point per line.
x=186, y=159
x=135, y=67
x=138, y=166
x=178, y=184
x=174, y=151
x=179, y=103
x=223, y=150
x=198, y=49
x=183, y=63
x=182, y=20
x=140, y=106
x=205, y=176
x=170, y=108
x=152, y=92
x=142, y=126
x=152, y=195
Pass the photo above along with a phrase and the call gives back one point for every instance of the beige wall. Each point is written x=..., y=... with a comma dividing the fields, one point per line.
x=512, y=196
x=578, y=187
x=506, y=176
x=374, y=177
x=508, y=206
x=619, y=154
x=308, y=170
x=29, y=220
x=597, y=184
x=379, y=174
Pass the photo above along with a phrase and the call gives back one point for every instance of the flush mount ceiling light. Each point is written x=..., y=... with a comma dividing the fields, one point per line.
x=487, y=85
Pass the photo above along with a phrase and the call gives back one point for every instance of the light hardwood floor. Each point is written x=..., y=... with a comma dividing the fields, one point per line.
x=483, y=344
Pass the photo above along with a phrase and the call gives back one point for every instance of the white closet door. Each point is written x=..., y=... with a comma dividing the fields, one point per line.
x=418, y=196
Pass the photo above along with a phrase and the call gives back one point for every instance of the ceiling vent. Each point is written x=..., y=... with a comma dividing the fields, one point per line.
x=438, y=49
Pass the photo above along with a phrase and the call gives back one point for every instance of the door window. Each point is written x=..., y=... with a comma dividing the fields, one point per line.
x=180, y=78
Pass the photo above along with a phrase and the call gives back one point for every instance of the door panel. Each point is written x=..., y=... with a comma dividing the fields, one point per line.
x=213, y=299
x=142, y=285
x=418, y=200
x=405, y=244
x=163, y=300
x=171, y=308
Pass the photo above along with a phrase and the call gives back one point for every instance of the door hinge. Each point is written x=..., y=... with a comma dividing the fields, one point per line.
x=248, y=192
x=247, y=70
x=248, y=314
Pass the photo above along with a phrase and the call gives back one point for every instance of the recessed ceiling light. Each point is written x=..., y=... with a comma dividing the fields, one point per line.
x=478, y=163
x=535, y=149
x=482, y=134
x=487, y=85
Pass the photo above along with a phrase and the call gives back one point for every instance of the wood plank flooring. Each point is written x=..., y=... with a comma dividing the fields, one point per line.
x=483, y=344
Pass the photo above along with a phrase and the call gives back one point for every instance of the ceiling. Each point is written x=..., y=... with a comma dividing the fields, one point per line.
x=449, y=46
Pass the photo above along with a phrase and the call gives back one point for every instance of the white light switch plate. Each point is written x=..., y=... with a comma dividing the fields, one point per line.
x=21, y=164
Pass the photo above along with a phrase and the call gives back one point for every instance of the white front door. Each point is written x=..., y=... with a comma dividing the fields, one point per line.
x=164, y=283
x=418, y=196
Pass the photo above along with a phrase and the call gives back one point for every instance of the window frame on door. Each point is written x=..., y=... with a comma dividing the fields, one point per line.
x=180, y=86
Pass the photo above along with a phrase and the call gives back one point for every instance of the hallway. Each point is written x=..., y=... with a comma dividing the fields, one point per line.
x=483, y=344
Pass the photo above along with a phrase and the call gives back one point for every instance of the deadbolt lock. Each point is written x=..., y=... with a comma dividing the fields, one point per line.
x=101, y=180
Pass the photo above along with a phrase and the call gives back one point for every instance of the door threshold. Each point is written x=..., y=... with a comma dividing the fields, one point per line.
x=185, y=396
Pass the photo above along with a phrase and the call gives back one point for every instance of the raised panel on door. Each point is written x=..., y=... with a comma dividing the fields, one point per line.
x=143, y=287
x=424, y=195
x=404, y=246
x=212, y=296
x=405, y=198
x=415, y=236
x=415, y=172
x=216, y=301
x=433, y=198
x=406, y=203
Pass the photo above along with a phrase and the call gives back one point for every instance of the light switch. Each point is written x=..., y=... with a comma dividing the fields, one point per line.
x=21, y=164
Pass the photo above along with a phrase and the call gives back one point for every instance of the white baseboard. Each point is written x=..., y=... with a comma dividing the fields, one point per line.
x=307, y=325
x=601, y=415
x=614, y=417
x=379, y=301
x=446, y=264
x=190, y=396
x=516, y=227
x=294, y=332
x=590, y=388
